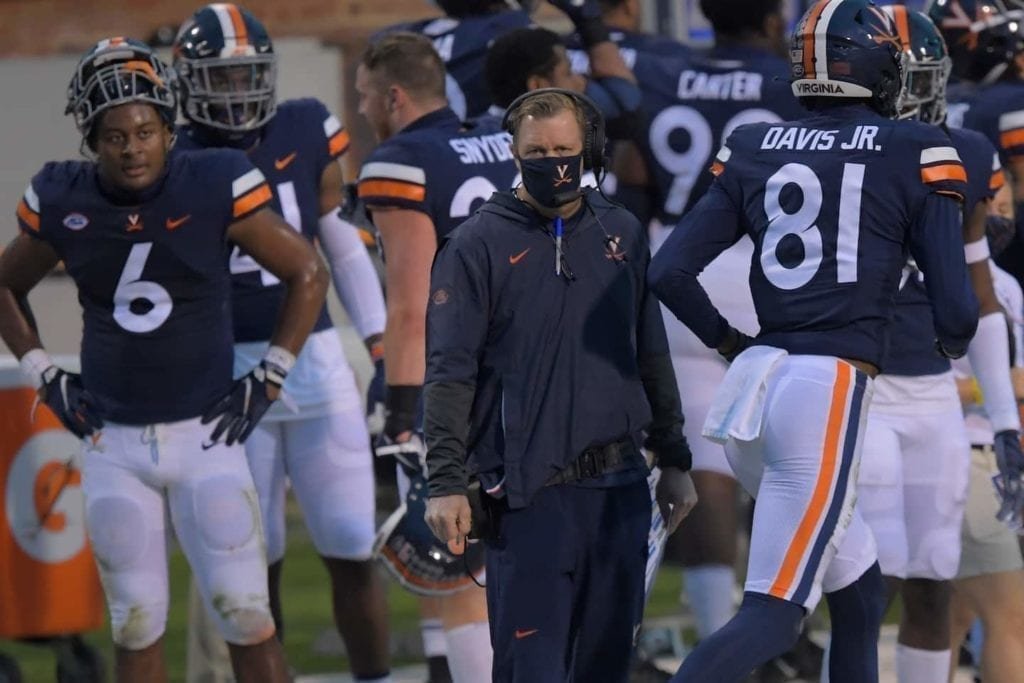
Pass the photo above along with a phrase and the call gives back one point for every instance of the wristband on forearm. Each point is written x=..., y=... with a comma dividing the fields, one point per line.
x=400, y=405
x=592, y=31
x=33, y=364
x=278, y=362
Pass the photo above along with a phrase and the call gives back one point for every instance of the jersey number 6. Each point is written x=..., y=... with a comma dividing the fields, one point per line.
x=132, y=288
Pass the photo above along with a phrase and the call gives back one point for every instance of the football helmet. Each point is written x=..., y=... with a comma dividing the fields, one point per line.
x=227, y=69
x=928, y=65
x=460, y=9
x=117, y=71
x=983, y=36
x=848, y=49
x=411, y=553
x=407, y=547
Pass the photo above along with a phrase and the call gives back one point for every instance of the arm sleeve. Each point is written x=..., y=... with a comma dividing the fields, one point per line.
x=620, y=101
x=988, y=353
x=456, y=331
x=711, y=227
x=354, y=276
x=936, y=243
x=665, y=434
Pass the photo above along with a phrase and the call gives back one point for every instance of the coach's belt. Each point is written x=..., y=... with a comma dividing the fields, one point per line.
x=594, y=462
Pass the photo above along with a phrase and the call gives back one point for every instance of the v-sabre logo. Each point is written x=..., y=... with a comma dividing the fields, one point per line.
x=562, y=179
x=818, y=88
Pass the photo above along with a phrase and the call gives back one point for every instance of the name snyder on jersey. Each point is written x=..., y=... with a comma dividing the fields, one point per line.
x=483, y=149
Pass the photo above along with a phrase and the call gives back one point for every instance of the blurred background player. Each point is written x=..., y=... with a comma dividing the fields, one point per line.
x=831, y=220
x=989, y=584
x=225, y=60
x=461, y=38
x=425, y=177
x=912, y=482
x=145, y=238
x=692, y=105
x=531, y=58
x=986, y=42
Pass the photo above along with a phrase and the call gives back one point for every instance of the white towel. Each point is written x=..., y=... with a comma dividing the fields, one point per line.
x=738, y=406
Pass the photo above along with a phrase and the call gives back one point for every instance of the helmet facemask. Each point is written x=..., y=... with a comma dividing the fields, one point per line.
x=235, y=94
x=924, y=95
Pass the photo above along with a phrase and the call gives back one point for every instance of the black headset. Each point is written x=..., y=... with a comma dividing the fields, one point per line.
x=593, y=133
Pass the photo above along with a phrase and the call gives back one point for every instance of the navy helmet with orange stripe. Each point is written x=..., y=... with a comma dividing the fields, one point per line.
x=227, y=69
x=928, y=65
x=117, y=71
x=983, y=35
x=848, y=49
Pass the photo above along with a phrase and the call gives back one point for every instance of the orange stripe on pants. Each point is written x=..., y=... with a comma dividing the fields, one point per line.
x=822, y=488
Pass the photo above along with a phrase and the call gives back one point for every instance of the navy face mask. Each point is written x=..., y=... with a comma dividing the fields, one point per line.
x=552, y=181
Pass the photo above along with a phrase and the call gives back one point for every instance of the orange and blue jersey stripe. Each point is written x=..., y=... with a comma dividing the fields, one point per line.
x=802, y=559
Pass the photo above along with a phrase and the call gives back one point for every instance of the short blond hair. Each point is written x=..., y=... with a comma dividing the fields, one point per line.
x=544, y=106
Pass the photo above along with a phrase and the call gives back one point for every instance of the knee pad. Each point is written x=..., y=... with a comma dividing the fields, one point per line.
x=117, y=532
x=227, y=512
x=137, y=626
x=241, y=621
x=936, y=556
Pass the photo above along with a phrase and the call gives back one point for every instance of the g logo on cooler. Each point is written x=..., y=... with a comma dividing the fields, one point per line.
x=45, y=505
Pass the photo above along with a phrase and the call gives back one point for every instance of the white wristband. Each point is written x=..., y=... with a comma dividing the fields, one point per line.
x=34, y=364
x=280, y=357
x=976, y=251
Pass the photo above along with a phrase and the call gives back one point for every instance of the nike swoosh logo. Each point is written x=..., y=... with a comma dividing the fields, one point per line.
x=207, y=445
x=282, y=163
x=173, y=224
x=518, y=257
x=525, y=633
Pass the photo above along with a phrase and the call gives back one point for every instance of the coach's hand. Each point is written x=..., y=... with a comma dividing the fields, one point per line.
x=74, y=406
x=1010, y=480
x=450, y=519
x=675, y=495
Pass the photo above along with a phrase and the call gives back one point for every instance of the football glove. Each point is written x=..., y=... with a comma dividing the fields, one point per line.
x=241, y=409
x=353, y=210
x=743, y=342
x=951, y=354
x=411, y=454
x=1008, y=483
x=74, y=406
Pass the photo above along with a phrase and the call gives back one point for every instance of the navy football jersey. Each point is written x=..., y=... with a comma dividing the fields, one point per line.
x=152, y=278
x=463, y=44
x=997, y=112
x=441, y=167
x=911, y=349
x=295, y=147
x=833, y=204
x=693, y=105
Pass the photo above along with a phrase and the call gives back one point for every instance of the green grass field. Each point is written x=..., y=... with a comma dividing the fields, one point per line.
x=307, y=615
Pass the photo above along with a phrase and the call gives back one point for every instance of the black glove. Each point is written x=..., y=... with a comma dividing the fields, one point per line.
x=375, y=391
x=951, y=354
x=353, y=210
x=742, y=343
x=244, y=405
x=1009, y=483
x=70, y=402
x=585, y=15
x=400, y=406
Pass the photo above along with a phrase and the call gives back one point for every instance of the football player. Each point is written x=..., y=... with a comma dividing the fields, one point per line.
x=913, y=477
x=986, y=42
x=461, y=37
x=145, y=236
x=831, y=202
x=227, y=68
x=426, y=176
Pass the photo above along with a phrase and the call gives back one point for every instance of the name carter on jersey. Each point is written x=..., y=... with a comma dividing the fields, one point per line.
x=740, y=86
x=815, y=140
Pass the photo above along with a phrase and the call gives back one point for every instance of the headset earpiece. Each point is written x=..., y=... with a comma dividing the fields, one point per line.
x=593, y=128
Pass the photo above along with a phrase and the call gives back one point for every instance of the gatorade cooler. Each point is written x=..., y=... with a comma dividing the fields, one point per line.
x=48, y=580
